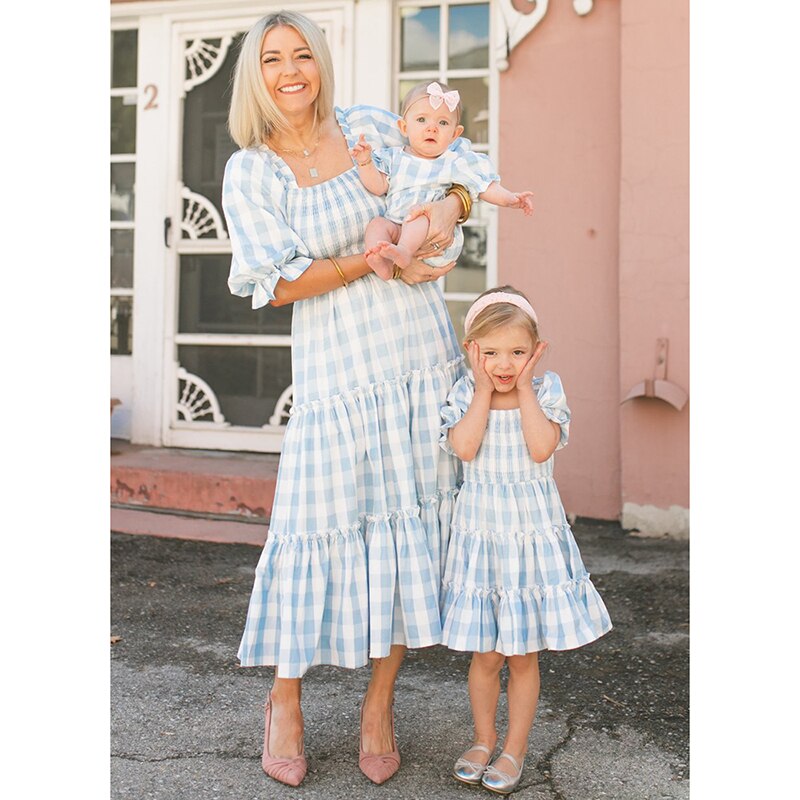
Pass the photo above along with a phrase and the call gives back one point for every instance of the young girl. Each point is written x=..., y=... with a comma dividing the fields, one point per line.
x=514, y=582
x=421, y=172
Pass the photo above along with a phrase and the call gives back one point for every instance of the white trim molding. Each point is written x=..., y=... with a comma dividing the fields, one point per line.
x=515, y=25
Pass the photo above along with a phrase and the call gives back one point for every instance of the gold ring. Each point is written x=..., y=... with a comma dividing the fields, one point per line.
x=434, y=246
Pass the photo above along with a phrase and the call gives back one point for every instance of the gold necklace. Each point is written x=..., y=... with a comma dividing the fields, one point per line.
x=305, y=152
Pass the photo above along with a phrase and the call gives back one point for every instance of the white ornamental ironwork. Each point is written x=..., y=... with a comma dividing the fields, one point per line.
x=516, y=25
x=200, y=217
x=282, y=407
x=197, y=399
x=204, y=59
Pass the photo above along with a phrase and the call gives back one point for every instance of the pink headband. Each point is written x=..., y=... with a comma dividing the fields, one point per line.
x=492, y=299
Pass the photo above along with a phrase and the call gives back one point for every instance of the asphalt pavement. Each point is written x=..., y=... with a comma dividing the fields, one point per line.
x=187, y=721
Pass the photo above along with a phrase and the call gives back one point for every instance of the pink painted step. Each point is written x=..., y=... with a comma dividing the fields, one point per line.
x=200, y=481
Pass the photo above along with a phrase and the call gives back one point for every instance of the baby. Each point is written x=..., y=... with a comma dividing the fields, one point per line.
x=421, y=172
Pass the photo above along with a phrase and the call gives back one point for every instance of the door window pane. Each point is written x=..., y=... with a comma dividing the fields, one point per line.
x=468, y=37
x=247, y=381
x=474, y=107
x=122, y=176
x=419, y=38
x=123, y=58
x=207, y=306
x=470, y=272
x=122, y=259
x=121, y=325
x=458, y=313
x=123, y=125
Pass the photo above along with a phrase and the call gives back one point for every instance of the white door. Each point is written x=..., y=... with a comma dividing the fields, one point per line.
x=227, y=368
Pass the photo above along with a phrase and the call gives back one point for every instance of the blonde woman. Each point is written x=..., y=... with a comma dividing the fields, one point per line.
x=351, y=568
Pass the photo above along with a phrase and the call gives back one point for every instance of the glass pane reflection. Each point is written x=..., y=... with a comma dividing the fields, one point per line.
x=122, y=259
x=470, y=272
x=468, y=37
x=206, y=305
x=458, y=312
x=419, y=38
x=121, y=325
x=246, y=380
x=474, y=107
x=122, y=181
x=123, y=125
x=123, y=58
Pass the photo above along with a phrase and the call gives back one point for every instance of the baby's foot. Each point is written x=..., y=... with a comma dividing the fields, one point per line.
x=382, y=267
x=395, y=253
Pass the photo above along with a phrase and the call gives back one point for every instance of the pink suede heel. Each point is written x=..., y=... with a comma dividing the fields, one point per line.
x=378, y=768
x=290, y=771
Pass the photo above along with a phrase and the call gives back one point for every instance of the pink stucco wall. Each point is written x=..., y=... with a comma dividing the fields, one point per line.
x=594, y=119
x=654, y=245
x=560, y=137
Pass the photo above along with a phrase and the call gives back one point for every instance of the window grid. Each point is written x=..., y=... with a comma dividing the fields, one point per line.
x=458, y=300
x=121, y=297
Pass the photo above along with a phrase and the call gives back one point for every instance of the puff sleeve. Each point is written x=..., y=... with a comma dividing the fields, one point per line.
x=553, y=403
x=456, y=405
x=474, y=171
x=384, y=159
x=264, y=247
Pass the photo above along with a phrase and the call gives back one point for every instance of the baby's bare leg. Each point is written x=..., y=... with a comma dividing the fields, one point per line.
x=378, y=231
x=412, y=235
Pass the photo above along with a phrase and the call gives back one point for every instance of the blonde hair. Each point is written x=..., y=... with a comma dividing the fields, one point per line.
x=499, y=314
x=253, y=115
x=420, y=90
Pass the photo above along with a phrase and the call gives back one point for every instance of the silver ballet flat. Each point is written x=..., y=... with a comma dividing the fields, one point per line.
x=496, y=780
x=468, y=771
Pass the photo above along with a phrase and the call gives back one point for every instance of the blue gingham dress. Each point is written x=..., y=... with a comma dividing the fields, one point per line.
x=514, y=580
x=414, y=180
x=364, y=494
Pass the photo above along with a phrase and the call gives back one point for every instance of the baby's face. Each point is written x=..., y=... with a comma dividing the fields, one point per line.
x=430, y=131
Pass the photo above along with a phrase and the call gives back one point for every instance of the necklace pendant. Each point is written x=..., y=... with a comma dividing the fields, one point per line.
x=312, y=171
x=306, y=154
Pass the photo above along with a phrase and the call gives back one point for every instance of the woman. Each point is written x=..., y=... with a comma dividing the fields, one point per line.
x=351, y=568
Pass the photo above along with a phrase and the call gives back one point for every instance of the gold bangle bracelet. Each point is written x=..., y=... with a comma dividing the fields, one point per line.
x=466, y=201
x=396, y=272
x=338, y=269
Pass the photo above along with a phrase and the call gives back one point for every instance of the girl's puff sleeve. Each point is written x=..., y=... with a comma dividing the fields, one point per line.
x=553, y=403
x=474, y=171
x=456, y=405
x=264, y=247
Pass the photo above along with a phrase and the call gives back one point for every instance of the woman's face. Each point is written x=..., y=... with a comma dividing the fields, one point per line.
x=289, y=70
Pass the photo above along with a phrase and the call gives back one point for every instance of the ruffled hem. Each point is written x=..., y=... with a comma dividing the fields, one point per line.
x=522, y=620
x=345, y=595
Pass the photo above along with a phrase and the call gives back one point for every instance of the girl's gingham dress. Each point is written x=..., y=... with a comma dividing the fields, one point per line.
x=514, y=580
x=414, y=180
x=363, y=501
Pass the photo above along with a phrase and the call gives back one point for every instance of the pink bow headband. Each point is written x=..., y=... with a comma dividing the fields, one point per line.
x=492, y=299
x=436, y=97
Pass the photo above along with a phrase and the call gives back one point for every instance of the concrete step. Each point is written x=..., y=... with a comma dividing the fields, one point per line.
x=207, y=483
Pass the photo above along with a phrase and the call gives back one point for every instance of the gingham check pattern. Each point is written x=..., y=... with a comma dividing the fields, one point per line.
x=364, y=496
x=514, y=580
x=414, y=180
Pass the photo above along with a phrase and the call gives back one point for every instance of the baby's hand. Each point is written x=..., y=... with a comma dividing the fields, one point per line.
x=362, y=152
x=478, y=363
x=524, y=201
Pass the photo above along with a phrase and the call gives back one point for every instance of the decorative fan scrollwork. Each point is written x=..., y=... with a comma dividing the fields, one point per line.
x=200, y=217
x=204, y=59
x=197, y=401
x=282, y=408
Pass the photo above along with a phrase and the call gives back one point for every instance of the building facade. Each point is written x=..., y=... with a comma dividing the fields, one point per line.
x=584, y=103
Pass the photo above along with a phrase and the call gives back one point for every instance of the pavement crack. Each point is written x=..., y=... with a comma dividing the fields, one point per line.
x=178, y=757
x=545, y=763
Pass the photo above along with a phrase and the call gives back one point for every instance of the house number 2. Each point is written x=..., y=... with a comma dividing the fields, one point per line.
x=150, y=92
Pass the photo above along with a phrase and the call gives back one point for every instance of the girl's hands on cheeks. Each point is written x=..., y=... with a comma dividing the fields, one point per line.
x=483, y=381
x=526, y=374
x=420, y=272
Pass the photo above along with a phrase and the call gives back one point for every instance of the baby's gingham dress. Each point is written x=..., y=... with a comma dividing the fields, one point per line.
x=364, y=495
x=414, y=180
x=514, y=580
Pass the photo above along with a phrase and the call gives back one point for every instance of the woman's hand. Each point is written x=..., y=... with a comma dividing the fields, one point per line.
x=483, y=381
x=420, y=272
x=526, y=373
x=442, y=216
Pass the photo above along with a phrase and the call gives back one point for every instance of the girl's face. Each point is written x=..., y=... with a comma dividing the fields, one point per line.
x=507, y=350
x=289, y=71
x=430, y=132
